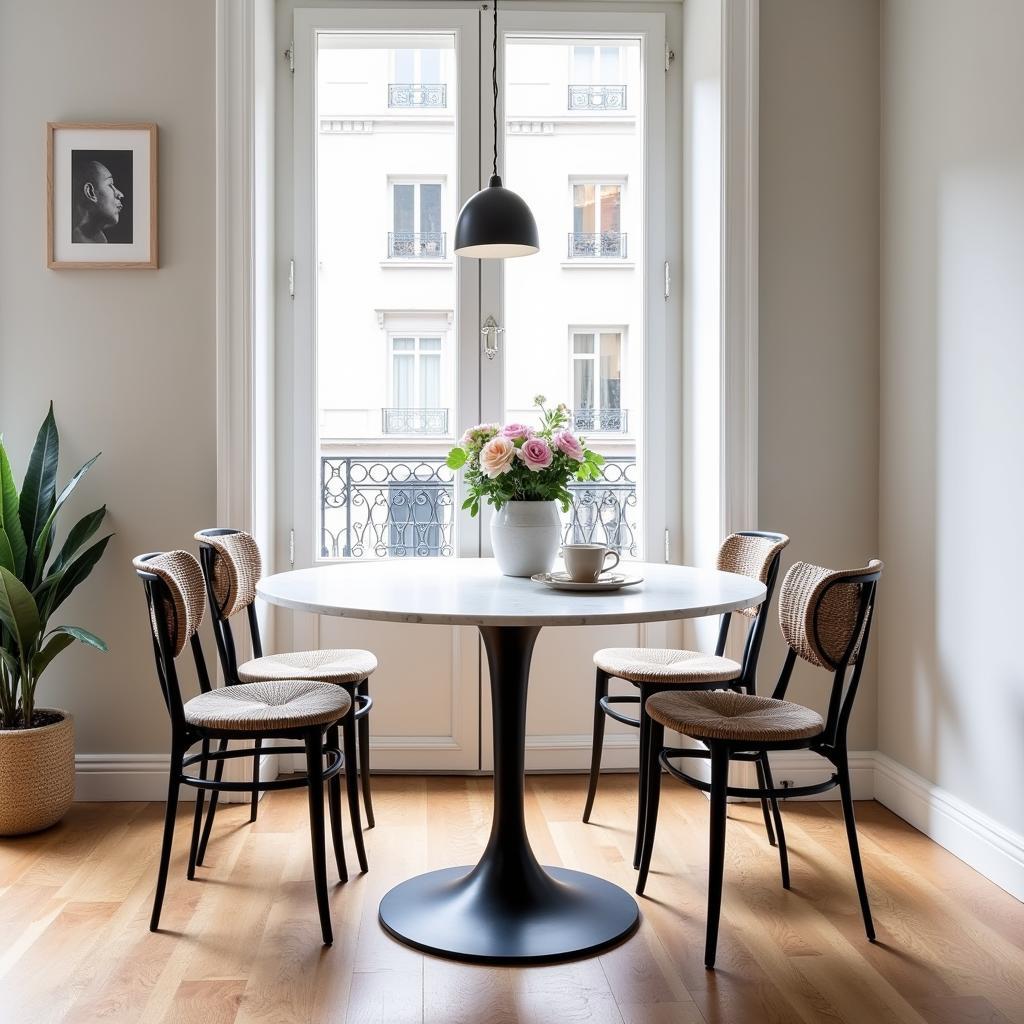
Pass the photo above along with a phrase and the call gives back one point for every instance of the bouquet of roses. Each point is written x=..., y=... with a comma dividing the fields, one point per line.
x=517, y=463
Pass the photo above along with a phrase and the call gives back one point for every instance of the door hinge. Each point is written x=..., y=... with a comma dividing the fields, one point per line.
x=291, y=549
x=668, y=553
x=289, y=55
x=668, y=280
x=291, y=278
x=669, y=57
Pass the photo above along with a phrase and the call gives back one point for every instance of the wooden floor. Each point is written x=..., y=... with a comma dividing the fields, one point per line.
x=242, y=944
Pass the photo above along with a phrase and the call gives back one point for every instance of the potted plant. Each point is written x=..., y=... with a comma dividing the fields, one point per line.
x=524, y=474
x=37, y=748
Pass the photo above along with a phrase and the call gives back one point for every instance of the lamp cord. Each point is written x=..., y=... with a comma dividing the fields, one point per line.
x=494, y=83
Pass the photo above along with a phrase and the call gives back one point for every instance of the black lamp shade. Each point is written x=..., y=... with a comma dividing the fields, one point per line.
x=496, y=224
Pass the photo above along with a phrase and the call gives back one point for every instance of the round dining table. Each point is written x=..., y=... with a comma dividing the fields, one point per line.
x=507, y=908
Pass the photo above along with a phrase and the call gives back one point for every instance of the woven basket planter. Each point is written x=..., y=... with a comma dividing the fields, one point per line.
x=37, y=775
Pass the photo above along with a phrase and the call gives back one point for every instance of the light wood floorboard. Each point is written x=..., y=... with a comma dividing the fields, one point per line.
x=241, y=944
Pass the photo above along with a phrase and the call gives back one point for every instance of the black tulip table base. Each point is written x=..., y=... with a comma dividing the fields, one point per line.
x=508, y=909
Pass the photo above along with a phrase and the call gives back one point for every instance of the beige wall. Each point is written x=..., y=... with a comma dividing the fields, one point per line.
x=818, y=267
x=126, y=356
x=952, y=401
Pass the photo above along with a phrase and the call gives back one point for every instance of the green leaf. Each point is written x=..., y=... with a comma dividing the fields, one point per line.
x=81, y=635
x=6, y=554
x=9, y=520
x=456, y=458
x=11, y=662
x=80, y=533
x=40, y=487
x=18, y=610
x=49, y=652
x=74, y=573
x=42, y=541
x=469, y=501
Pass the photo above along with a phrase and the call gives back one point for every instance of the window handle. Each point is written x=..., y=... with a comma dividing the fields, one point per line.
x=489, y=331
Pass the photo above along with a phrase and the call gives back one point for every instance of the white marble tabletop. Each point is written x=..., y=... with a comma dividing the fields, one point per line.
x=471, y=591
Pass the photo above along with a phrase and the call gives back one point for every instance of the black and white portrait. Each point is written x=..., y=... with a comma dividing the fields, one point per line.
x=101, y=196
x=101, y=186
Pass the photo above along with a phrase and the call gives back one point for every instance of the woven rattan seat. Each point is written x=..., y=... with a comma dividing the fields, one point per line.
x=337, y=666
x=293, y=704
x=654, y=665
x=739, y=717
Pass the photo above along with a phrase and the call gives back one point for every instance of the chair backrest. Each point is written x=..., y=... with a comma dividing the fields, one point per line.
x=754, y=553
x=825, y=616
x=174, y=588
x=231, y=566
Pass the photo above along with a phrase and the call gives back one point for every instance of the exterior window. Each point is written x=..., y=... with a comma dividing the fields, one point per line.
x=596, y=78
x=597, y=221
x=415, y=386
x=597, y=358
x=417, y=79
x=416, y=220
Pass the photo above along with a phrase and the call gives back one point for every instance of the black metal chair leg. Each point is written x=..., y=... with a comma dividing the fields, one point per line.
x=600, y=690
x=851, y=834
x=364, y=758
x=641, y=790
x=315, y=781
x=651, y=798
x=334, y=806
x=765, y=769
x=716, y=846
x=165, y=849
x=255, y=780
x=218, y=771
x=197, y=820
x=765, y=810
x=348, y=732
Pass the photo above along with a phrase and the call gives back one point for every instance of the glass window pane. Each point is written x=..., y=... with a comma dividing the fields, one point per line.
x=430, y=208
x=583, y=384
x=583, y=214
x=403, y=374
x=430, y=67
x=404, y=65
x=403, y=344
x=609, y=65
x=430, y=344
x=610, y=208
x=404, y=207
x=611, y=370
x=582, y=64
x=583, y=343
x=430, y=381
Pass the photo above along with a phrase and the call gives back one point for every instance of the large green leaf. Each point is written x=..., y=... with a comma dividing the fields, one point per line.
x=53, y=647
x=18, y=610
x=43, y=540
x=81, y=635
x=80, y=533
x=9, y=519
x=6, y=554
x=73, y=574
x=38, y=492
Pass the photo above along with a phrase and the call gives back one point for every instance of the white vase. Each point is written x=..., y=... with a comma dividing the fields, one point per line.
x=525, y=536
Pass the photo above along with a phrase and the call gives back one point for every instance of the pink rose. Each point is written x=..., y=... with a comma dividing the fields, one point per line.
x=569, y=444
x=516, y=431
x=497, y=456
x=536, y=454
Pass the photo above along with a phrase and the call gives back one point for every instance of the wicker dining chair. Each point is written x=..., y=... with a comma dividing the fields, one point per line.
x=296, y=709
x=232, y=566
x=753, y=553
x=825, y=617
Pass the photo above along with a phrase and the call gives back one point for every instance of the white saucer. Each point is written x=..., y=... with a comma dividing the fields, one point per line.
x=563, y=581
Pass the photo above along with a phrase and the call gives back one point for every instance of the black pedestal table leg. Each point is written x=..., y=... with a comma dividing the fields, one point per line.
x=507, y=908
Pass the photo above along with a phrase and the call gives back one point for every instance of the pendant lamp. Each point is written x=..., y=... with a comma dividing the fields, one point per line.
x=496, y=223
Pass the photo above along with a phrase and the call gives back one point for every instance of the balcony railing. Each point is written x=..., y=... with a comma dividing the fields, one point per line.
x=416, y=245
x=597, y=97
x=403, y=508
x=610, y=421
x=414, y=421
x=408, y=94
x=593, y=245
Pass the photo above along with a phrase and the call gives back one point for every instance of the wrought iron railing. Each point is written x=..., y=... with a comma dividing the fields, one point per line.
x=410, y=94
x=404, y=508
x=414, y=421
x=612, y=421
x=597, y=97
x=416, y=245
x=608, y=244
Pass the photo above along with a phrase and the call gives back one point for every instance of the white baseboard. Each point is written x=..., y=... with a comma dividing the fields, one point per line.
x=804, y=768
x=978, y=840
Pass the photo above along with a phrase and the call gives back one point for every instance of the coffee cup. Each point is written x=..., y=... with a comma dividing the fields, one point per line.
x=585, y=562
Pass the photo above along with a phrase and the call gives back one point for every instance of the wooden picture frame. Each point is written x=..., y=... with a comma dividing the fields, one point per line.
x=101, y=196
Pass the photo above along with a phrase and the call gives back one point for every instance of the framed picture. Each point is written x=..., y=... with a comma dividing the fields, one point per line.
x=101, y=196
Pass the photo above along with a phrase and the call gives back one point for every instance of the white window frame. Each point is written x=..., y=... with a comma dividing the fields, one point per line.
x=417, y=180
x=597, y=331
x=417, y=354
x=595, y=64
x=417, y=63
x=597, y=181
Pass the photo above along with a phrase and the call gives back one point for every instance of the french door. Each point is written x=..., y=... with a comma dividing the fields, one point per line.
x=399, y=345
